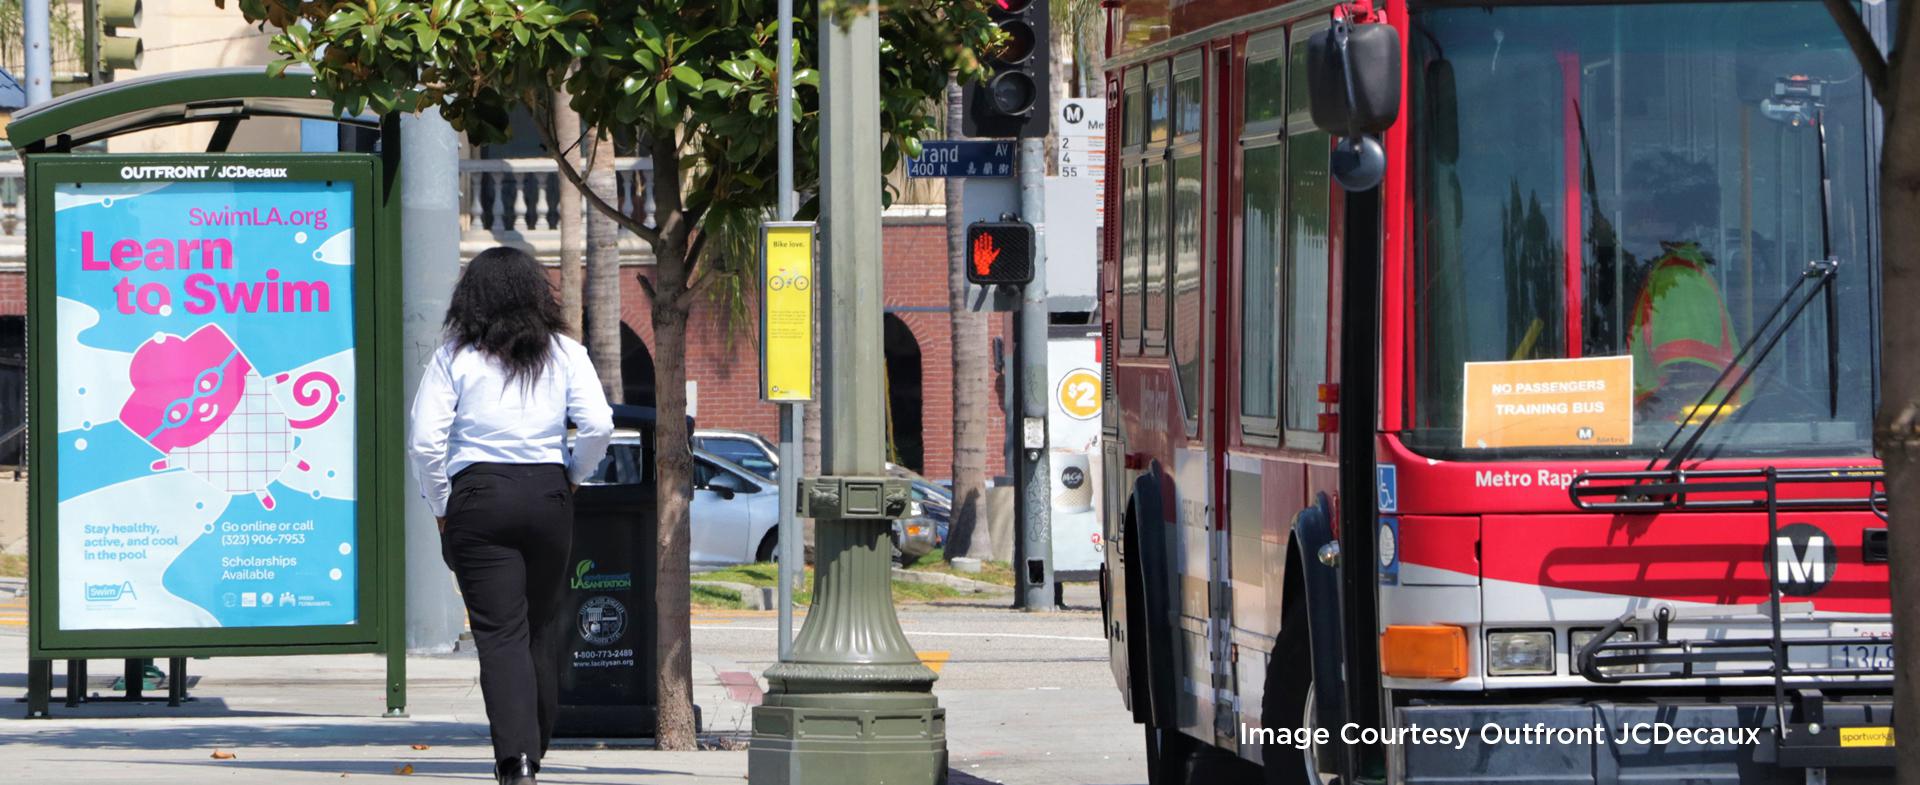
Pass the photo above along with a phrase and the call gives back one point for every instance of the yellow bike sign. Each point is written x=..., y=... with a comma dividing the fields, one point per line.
x=786, y=311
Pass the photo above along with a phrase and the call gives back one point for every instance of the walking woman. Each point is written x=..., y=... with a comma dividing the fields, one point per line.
x=489, y=449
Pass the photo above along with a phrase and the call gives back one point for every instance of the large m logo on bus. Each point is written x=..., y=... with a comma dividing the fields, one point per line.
x=1803, y=559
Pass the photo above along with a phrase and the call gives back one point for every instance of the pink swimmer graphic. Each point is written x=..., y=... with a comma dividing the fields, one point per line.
x=199, y=401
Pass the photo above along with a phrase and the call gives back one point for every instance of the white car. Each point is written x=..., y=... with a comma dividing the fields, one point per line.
x=734, y=513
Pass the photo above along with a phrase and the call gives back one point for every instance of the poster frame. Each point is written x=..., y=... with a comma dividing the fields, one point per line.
x=378, y=470
x=812, y=232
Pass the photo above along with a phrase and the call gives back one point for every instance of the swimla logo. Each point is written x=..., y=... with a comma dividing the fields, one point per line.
x=110, y=592
x=1803, y=559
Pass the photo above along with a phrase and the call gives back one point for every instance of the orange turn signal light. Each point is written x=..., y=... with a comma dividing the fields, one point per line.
x=1436, y=651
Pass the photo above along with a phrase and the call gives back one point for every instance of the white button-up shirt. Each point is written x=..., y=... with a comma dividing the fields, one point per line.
x=466, y=413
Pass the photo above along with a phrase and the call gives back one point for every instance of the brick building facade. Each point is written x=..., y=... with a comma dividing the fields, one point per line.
x=725, y=367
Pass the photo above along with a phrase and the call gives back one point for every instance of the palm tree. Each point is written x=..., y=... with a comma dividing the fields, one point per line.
x=602, y=285
x=573, y=239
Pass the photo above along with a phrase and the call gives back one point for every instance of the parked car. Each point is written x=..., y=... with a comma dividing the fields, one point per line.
x=733, y=512
x=934, y=500
x=914, y=537
x=750, y=451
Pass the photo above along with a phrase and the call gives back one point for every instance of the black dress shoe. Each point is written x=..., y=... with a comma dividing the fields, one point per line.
x=515, y=771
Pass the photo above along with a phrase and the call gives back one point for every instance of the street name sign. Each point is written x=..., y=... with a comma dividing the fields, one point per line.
x=962, y=159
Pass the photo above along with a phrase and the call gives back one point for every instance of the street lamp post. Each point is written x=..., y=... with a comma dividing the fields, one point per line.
x=852, y=703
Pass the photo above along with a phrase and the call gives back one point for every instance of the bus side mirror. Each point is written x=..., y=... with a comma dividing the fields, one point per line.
x=1353, y=85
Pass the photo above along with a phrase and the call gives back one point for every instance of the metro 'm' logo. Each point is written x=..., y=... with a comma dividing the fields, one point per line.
x=1803, y=559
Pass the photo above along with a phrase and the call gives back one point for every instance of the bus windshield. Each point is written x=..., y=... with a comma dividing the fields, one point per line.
x=1609, y=200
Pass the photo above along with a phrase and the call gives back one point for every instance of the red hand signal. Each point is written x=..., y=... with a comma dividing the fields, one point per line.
x=984, y=253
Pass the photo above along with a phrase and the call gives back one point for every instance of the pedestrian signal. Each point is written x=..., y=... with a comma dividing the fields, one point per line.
x=1000, y=253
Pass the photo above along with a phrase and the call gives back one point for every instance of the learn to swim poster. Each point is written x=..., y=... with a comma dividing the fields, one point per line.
x=205, y=393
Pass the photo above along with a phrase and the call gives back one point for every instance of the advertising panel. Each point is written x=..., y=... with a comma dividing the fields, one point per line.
x=206, y=396
x=1073, y=421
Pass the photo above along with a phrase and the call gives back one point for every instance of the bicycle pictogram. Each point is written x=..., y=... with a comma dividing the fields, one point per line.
x=784, y=279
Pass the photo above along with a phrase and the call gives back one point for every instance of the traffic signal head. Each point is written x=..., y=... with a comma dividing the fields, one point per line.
x=119, y=51
x=1000, y=253
x=1012, y=100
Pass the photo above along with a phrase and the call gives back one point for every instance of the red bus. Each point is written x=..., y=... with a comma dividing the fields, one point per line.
x=1542, y=454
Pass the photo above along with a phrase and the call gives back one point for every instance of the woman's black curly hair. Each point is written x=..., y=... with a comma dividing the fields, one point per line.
x=504, y=307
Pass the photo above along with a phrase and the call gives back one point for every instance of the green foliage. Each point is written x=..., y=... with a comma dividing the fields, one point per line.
x=694, y=76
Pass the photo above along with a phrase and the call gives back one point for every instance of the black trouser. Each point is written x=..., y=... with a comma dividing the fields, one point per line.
x=509, y=530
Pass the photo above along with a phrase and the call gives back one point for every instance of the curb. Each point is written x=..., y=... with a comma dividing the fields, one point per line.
x=753, y=598
x=949, y=581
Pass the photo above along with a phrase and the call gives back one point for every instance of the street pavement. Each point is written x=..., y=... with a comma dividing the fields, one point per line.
x=1029, y=699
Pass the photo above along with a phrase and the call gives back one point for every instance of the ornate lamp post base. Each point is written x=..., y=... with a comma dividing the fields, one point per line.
x=848, y=738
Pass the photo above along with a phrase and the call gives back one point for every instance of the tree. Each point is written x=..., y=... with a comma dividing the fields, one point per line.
x=968, y=533
x=573, y=237
x=1895, y=82
x=691, y=84
x=601, y=288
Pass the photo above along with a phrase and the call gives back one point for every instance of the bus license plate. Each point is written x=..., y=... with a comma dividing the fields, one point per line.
x=1876, y=656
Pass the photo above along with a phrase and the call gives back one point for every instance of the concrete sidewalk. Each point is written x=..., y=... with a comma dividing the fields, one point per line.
x=1029, y=696
x=317, y=719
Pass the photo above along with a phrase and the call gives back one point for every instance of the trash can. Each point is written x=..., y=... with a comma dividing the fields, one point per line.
x=607, y=686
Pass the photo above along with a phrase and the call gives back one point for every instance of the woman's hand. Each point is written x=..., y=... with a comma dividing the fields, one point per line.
x=442, y=521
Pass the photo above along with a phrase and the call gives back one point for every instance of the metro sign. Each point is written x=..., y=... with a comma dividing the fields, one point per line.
x=1000, y=253
x=1804, y=559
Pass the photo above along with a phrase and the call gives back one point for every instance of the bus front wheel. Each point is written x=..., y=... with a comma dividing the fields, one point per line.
x=1170, y=756
x=1289, y=700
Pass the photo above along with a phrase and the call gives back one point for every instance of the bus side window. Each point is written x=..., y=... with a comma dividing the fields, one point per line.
x=1261, y=158
x=1133, y=136
x=1309, y=199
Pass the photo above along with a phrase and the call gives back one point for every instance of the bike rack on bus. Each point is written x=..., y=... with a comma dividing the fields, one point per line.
x=1606, y=661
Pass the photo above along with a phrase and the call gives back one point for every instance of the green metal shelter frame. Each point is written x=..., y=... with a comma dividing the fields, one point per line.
x=48, y=135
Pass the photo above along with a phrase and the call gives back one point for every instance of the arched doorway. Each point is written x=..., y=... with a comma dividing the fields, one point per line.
x=904, y=396
x=636, y=368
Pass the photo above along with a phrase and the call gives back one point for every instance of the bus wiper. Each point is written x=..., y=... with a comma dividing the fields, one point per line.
x=1817, y=281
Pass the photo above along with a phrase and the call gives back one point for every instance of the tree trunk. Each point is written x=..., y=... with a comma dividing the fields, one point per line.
x=573, y=237
x=1898, y=427
x=967, y=535
x=602, y=289
x=674, y=469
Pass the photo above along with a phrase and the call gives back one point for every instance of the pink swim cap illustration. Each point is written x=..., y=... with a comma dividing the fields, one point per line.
x=199, y=400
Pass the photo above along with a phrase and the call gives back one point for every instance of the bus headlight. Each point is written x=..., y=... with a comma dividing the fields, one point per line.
x=1578, y=639
x=1520, y=653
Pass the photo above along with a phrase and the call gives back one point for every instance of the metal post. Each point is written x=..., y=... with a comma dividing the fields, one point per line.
x=34, y=22
x=429, y=265
x=176, y=681
x=76, y=682
x=790, y=462
x=90, y=40
x=852, y=667
x=39, y=688
x=134, y=676
x=1033, y=559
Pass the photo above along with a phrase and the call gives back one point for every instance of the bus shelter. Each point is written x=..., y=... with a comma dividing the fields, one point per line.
x=214, y=386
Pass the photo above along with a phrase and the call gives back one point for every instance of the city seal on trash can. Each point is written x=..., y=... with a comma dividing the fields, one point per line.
x=602, y=620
